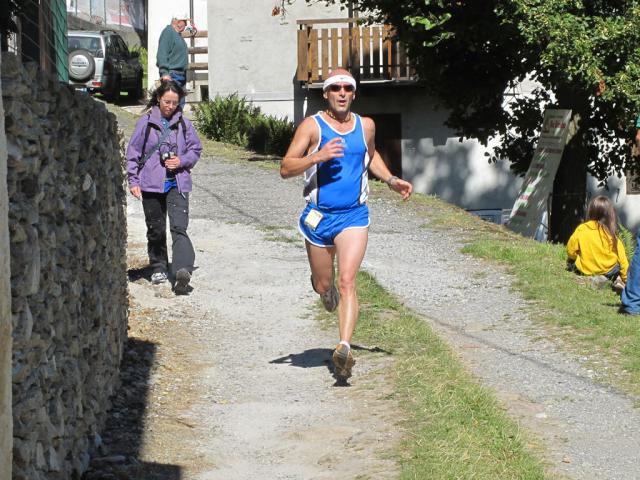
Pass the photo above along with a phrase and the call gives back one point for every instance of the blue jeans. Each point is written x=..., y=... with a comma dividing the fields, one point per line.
x=181, y=79
x=631, y=294
x=611, y=274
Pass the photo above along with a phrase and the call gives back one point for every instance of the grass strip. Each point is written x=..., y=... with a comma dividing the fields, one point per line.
x=454, y=426
x=233, y=153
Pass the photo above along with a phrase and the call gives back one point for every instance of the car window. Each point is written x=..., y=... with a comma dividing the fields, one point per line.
x=113, y=47
x=110, y=47
x=123, y=46
x=93, y=44
x=117, y=46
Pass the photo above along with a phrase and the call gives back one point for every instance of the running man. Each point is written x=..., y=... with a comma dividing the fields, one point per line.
x=333, y=149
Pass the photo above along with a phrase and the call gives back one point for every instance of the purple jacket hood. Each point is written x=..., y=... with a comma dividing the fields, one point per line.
x=152, y=175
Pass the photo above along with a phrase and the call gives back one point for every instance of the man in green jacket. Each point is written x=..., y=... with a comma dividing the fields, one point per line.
x=172, y=58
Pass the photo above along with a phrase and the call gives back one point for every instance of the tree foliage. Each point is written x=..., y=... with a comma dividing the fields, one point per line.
x=583, y=54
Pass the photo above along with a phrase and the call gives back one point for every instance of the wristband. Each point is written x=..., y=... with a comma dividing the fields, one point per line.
x=391, y=179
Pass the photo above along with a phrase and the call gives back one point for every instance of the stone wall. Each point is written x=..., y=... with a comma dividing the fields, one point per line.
x=5, y=313
x=68, y=274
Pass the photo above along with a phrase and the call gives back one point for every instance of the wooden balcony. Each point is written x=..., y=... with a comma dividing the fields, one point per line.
x=367, y=51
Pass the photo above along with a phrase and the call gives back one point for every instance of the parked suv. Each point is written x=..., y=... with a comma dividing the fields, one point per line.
x=99, y=61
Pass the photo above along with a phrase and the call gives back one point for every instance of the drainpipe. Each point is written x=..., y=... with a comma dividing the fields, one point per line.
x=350, y=26
x=192, y=43
x=353, y=13
x=6, y=414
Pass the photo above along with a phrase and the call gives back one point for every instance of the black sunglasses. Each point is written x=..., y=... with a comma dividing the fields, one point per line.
x=336, y=88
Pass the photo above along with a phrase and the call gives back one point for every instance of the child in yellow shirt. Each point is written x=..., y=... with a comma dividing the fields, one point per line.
x=592, y=249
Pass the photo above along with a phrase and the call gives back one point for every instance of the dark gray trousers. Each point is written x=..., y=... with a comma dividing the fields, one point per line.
x=175, y=205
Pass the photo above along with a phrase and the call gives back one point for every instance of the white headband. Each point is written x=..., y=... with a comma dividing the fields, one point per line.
x=338, y=78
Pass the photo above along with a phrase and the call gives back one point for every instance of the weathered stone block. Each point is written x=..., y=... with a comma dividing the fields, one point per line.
x=23, y=324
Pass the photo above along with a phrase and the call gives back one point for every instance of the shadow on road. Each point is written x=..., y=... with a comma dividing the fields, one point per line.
x=136, y=274
x=374, y=349
x=118, y=454
x=318, y=357
x=315, y=357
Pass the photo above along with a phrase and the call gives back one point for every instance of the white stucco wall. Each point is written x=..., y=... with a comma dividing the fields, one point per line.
x=255, y=54
x=627, y=205
x=160, y=13
x=6, y=418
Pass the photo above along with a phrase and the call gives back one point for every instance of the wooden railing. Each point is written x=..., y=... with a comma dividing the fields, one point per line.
x=192, y=50
x=369, y=52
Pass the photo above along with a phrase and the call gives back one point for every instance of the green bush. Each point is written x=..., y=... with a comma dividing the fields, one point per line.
x=628, y=240
x=226, y=119
x=143, y=61
x=233, y=119
x=271, y=135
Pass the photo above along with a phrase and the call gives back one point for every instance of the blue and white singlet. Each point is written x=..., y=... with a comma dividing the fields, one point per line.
x=340, y=183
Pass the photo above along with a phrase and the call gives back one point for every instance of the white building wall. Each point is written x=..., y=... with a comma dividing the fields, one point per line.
x=627, y=205
x=160, y=13
x=255, y=54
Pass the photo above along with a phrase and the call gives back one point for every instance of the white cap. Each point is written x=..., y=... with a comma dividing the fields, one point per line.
x=180, y=16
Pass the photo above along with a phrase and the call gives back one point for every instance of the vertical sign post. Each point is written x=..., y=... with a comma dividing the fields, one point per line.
x=531, y=204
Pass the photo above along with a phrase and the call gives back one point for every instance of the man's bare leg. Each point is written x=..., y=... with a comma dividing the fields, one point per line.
x=321, y=263
x=351, y=245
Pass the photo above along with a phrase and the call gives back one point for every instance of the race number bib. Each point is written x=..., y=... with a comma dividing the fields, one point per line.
x=313, y=219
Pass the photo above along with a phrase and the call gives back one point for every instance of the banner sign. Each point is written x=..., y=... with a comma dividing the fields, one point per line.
x=531, y=205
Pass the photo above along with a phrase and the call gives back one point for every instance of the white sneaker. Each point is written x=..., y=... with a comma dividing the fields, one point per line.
x=343, y=362
x=158, y=277
x=618, y=285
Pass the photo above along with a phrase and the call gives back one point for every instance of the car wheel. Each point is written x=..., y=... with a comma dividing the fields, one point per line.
x=82, y=66
x=114, y=94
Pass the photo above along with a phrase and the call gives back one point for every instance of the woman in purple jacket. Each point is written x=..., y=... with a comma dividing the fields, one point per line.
x=162, y=151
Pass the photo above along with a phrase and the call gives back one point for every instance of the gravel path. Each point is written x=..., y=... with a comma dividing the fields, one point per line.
x=252, y=300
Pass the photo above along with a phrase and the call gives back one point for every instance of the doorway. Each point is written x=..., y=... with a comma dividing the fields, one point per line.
x=388, y=139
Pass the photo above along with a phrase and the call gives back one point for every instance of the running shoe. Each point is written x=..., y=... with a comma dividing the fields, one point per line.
x=343, y=361
x=330, y=299
x=183, y=277
x=158, y=277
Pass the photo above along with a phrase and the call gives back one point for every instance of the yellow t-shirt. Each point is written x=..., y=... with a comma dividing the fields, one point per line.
x=592, y=249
